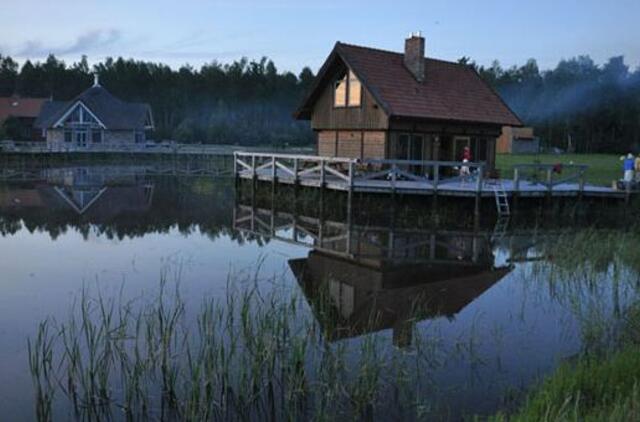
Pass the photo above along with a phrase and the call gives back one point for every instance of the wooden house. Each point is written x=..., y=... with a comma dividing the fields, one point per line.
x=18, y=115
x=518, y=140
x=94, y=118
x=370, y=103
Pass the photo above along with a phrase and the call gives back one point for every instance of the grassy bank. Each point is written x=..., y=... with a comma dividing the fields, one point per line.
x=603, y=168
x=597, y=387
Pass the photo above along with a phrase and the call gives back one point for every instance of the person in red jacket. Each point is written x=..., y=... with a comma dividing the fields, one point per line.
x=466, y=154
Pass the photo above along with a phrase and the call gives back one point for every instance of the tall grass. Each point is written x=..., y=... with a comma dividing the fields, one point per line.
x=246, y=356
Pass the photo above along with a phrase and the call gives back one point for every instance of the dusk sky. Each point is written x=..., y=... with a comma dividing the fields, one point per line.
x=298, y=33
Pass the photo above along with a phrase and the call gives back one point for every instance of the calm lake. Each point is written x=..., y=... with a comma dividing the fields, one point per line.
x=488, y=306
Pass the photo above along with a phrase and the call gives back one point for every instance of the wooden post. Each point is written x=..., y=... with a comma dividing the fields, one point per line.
x=235, y=165
x=516, y=179
x=581, y=183
x=436, y=177
x=480, y=179
x=351, y=171
x=549, y=181
x=322, y=175
x=394, y=169
x=295, y=171
x=274, y=169
x=253, y=166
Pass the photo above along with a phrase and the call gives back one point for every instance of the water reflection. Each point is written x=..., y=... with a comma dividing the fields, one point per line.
x=403, y=271
x=98, y=193
x=360, y=279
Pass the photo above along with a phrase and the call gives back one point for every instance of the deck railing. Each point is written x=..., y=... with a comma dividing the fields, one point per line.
x=421, y=170
x=295, y=166
x=549, y=175
x=351, y=171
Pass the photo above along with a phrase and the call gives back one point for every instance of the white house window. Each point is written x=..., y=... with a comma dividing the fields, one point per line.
x=96, y=136
x=68, y=135
x=75, y=116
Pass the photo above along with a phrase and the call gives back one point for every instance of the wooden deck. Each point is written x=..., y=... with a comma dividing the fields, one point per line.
x=416, y=177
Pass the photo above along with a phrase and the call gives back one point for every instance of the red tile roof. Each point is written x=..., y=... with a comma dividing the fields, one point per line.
x=20, y=107
x=451, y=91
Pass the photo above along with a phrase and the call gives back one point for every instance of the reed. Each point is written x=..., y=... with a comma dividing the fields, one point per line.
x=245, y=356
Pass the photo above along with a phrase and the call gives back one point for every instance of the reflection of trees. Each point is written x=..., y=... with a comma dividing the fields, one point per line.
x=185, y=204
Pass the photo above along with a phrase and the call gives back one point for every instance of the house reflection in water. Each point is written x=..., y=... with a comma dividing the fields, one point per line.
x=362, y=279
x=96, y=193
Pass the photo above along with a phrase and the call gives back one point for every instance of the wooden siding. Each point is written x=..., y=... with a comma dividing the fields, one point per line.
x=327, y=143
x=352, y=144
x=367, y=116
x=374, y=145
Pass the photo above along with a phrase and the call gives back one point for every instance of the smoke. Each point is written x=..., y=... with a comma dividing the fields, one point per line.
x=575, y=87
x=84, y=43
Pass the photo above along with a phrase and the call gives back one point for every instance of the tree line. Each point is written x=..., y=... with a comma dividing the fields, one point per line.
x=578, y=105
x=245, y=102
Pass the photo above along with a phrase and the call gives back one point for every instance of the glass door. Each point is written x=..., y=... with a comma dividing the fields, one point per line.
x=81, y=138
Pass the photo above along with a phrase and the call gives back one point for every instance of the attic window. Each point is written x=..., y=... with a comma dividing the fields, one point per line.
x=355, y=90
x=340, y=92
x=347, y=91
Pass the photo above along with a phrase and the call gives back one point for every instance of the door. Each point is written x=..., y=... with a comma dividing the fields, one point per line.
x=81, y=138
x=411, y=147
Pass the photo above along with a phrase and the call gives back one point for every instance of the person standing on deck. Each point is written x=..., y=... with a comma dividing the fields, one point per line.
x=466, y=154
x=628, y=165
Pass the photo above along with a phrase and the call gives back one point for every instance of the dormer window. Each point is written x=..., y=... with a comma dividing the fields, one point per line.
x=355, y=91
x=340, y=92
x=347, y=91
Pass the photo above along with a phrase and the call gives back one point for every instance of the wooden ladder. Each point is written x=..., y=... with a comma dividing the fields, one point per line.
x=502, y=200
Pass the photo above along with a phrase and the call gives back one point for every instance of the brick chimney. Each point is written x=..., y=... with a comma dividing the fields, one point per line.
x=414, y=55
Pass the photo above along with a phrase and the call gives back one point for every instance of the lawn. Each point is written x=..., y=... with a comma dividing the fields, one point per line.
x=603, y=168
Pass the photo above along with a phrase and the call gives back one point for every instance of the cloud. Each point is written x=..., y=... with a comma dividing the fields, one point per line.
x=88, y=42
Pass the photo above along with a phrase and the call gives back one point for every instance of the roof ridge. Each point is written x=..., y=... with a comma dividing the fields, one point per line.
x=397, y=53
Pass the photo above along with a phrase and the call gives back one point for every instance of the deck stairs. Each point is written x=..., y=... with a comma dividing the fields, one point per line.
x=502, y=200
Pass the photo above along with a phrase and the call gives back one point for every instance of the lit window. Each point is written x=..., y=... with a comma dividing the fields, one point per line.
x=355, y=90
x=340, y=92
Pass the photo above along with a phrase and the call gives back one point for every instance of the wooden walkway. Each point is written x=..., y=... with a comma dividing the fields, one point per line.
x=416, y=177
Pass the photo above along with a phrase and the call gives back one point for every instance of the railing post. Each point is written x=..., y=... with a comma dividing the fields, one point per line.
x=549, y=177
x=394, y=170
x=351, y=165
x=480, y=179
x=295, y=171
x=235, y=165
x=436, y=177
x=274, y=168
x=581, y=182
x=253, y=166
x=516, y=179
x=322, y=175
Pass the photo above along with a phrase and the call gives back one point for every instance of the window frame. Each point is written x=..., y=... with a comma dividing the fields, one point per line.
x=347, y=78
x=100, y=133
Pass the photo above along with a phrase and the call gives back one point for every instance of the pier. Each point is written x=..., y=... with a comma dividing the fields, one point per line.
x=412, y=177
